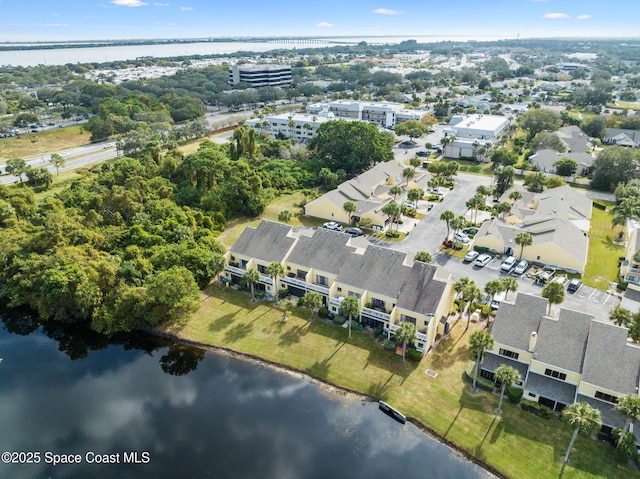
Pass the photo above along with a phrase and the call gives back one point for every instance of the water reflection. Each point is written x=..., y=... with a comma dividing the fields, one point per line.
x=226, y=418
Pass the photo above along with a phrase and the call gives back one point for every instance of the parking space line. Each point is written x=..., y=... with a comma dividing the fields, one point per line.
x=592, y=293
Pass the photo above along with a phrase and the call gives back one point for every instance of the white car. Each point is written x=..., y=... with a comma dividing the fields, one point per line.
x=521, y=267
x=483, y=260
x=470, y=256
x=508, y=264
x=461, y=237
x=332, y=225
x=64, y=155
x=107, y=145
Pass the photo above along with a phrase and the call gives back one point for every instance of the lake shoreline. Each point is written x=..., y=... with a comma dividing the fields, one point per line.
x=327, y=386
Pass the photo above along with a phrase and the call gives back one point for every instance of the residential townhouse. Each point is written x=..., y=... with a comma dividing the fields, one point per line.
x=383, y=114
x=564, y=359
x=391, y=287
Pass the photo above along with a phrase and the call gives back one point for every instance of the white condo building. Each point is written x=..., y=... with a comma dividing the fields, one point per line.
x=383, y=114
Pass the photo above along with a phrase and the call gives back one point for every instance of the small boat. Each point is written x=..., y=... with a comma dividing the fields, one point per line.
x=395, y=414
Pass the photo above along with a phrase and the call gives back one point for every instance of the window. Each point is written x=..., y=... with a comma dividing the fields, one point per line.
x=407, y=319
x=301, y=275
x=243, y=263
x=606, y=397
x=339, y=289
x=377, y=303
x=509, y=354
x=555, y=374
x=356, y=295
x=323, y=280
x=262, y=268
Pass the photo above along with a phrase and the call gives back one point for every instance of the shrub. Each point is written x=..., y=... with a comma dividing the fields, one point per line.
x=515, y=394
x=392, y=234
x=377, y=332
x=454, y=309
x=481, y=249
x=389, y=345
x=414, y=354
x=458, y=245
x=536, y=408
x=481, y=382
x=260, y=294
x=283, y=293
x=339, y=319
x=323, y=312
x=284, y=216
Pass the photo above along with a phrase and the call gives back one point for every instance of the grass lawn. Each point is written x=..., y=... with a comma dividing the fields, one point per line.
x=46, y=142
x=602, y=259
x=516, y=444
x=625, y=105
x=284, y=202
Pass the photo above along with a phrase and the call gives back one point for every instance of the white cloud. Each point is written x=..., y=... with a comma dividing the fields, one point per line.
x=584, y=17
x=555, y=16
x=156, y=4
x=386, y=11
x=128, y=3
x=325, y=24
x=56, y=24
x=186, y=9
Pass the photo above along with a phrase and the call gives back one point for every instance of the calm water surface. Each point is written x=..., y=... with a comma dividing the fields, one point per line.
x=192, y=414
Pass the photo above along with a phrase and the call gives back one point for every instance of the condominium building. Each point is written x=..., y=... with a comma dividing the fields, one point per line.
x=260, y=75
x=383, y=114
x=299, y=126
x=390, y=286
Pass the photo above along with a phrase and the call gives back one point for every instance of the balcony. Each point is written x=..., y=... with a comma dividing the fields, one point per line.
x=335, y=301
x=372, y=313
x=266, y=280
x=235, y=270
x=304, y=285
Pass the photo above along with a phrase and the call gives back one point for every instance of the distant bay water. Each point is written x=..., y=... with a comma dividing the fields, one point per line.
x=100, y=54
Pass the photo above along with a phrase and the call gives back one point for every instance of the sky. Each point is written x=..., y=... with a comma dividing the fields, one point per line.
x=60, y=20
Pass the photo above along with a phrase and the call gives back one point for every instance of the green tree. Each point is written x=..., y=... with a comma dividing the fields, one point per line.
x=408, y=173
x=475, y=203
x=447, y=216
x=523, y=239
x=414, y=195
x=510, y=284
x=172, y=295
x=546, y=140
x=275, y=270
x=594, y=126
x=554, y=292
x=470, y=293
x=566, y=167
x=313, y=301
x=395, y=190
x=327, y=177
x=415, y=161
x=250, y=278
x=515, y=196
x=535, y=182
x=411, y=128
x=626, y=209
x=628, y=406
x=584, y=419
x=479, y=342
x=504, y=157
x=493, y=287
x=351, y=145
x=614, y=165
x=503, y=208
x=458, y=223
x=349, y=207
x=17, y=167
x=539, y=119
x=350, y=307
x=506, y=376
x=393, y=211
x=620, y=316
x=284, y=216
x=423, y=256
x=405, y=334
x=504, y=176
x=57, y=161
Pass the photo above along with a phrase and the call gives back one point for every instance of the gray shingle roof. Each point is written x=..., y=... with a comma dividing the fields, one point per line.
x=268, y=242
x=514, y=323
x=326, y=250
x=610, y=361
x=551, y=388
x=492, y=361
x=422, y=293
x=379, y=270
x=609, y=415
x=562, y=342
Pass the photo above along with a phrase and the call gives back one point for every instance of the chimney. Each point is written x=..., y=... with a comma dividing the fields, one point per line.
x=532, y=341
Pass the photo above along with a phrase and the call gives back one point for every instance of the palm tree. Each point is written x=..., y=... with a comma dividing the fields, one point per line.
x=621, y=316
x=458, y=223
x=57, y=161
x=479, y=342
x=523, y=239
x=554, y=292
x=313, y=300
x=392, y=210
x=470, y=293
x=476, y=202
x=629, y=407
x=503, y=208
x=414, y=195
x=515, y=196
x=510, y=284
x=493, y=287
x=584, y=419
x=405, y=334
x=395, y=190
x=628, y=208
x=275, y=270
x=250, y=278
x=349, y=207
x=423, y=256
x=447, y=216
x=350, y=307
x=507, y=376
x=408, y=173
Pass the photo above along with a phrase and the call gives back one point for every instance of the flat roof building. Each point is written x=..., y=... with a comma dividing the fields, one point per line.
x=260, y=75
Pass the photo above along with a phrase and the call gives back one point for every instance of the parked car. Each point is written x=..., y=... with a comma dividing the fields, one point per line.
x=332, y=225
x=353, y=231
x=461, y=237
x=483, y=260
x=432, y=129
x=508, y=264
x=422, y=153
x=471, y=231
x=497, y=299
x=521, y=267
x=574, y=285
x=470, y=256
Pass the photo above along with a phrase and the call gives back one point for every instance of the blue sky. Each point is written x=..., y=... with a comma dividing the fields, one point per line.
x=37, y=20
